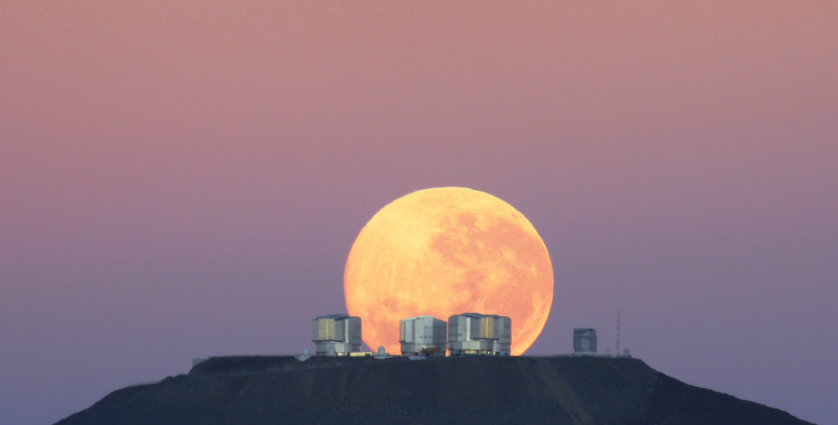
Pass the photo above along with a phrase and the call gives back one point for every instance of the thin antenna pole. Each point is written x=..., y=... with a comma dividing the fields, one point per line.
x=618, y=333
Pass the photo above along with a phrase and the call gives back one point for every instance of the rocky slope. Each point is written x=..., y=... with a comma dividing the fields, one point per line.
x=472, y=390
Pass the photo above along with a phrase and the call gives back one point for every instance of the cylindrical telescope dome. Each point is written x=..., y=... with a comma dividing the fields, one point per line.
x=584, y=341
x=475, y=334
x=423, y=336
x=341, y=332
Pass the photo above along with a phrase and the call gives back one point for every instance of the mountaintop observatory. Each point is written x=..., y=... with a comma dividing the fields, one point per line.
x=423, y=336
x=584, y=342
x=475, y=334
x=336, y=334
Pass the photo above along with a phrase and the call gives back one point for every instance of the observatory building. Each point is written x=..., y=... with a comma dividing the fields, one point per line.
x=336, y=334
x=584, y=342
x=475, y=334
x=423, y=336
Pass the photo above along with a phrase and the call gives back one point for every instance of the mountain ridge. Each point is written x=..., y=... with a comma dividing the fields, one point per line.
x=466, y=390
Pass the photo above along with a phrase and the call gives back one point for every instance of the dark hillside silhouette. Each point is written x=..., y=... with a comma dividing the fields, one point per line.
x=473, y=390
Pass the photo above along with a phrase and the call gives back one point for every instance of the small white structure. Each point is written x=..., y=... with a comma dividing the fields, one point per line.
x=584, y=342
x=336, y=335
x=475, y=334
x=305, y=356
x=381, y=354
x=423, y=336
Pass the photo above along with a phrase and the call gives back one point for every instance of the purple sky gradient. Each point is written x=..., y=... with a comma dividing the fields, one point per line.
x=184, y=179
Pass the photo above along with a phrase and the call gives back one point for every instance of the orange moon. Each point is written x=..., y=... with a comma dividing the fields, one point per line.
x=446, y=251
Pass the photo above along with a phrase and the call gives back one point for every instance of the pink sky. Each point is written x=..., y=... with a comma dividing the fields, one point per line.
x=183, y=179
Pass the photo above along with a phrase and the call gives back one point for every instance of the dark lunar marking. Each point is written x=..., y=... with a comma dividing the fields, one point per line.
x=467, y=220
x=391, y=304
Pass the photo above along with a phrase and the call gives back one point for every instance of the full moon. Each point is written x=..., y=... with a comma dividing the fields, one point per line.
x=447, y=251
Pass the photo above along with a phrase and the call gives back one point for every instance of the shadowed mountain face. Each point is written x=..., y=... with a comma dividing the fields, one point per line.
x=470, y=390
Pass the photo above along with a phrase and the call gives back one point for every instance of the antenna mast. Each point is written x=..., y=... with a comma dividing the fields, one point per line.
x=618, y=333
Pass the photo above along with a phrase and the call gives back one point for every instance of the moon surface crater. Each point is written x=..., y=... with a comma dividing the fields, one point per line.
x=446, y=251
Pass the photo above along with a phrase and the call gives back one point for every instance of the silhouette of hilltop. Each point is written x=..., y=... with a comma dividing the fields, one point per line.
x=257, y=390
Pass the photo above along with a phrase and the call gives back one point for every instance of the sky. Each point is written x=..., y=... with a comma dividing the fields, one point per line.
x=184, y=179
